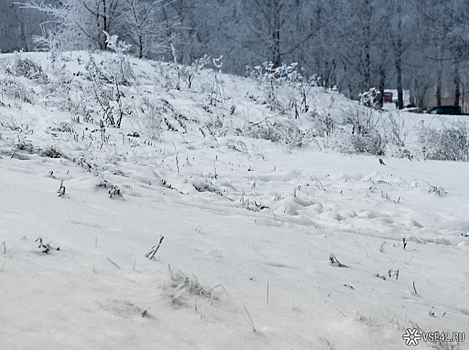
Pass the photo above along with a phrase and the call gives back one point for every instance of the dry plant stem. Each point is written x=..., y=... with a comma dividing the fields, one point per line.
x=61, y=190
x=151, y=254
x=46, y=247
x=250, y=320
x=335, y=262
x=112, y=262
x=341, y=312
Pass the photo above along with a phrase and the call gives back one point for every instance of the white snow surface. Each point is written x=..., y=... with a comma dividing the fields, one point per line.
x=248, y=226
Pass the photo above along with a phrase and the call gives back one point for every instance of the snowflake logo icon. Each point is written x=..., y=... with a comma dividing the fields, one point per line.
x=411, y=336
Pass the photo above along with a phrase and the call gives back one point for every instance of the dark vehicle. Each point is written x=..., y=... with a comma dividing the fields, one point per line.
x=448, y=110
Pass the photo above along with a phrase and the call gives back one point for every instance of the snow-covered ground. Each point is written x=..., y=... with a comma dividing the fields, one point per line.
x=266, y=246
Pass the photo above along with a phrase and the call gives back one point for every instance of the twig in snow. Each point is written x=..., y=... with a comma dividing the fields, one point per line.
x=318, y=183
x=431, y=313
x=404, y=242
x=415, y=290
x=341, y=312
x=211, y=291
x=61, y=190
x=144, y=312
x=250, y=320
x=335, y=261
x=46, y=247
x=381, y=249
x=151, y=254
x=382, y=277
x=112, y=262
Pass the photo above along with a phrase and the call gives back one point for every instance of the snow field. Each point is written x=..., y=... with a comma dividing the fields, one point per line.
x=248, y=226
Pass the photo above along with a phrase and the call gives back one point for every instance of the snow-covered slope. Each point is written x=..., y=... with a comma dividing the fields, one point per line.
x=266, y=245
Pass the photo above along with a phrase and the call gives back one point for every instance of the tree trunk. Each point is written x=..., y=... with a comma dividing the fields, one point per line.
x=457, y=83
x=367, y=48
x=439, y=78
x=400, y=95
x=140, y=46
x=382, y=82
x=105, y=24
x=276, y=59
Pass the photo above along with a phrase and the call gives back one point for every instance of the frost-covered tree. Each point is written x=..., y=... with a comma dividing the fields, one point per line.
x=146, y=26
x=82, y=23
x=19, y=26
x=277, y=28
x=360, y=24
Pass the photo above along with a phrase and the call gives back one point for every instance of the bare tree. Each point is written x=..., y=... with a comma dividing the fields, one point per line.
x=146, y=26
x=82, y=22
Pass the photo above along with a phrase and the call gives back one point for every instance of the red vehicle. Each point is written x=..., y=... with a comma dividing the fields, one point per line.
x=387, y=96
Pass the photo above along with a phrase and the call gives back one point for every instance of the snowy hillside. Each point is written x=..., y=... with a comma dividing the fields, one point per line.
x=223, y=213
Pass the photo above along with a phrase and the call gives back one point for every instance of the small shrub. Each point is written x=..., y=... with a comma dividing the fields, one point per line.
x=368, y=142
x=113, y=190
x=183, y=287
x=369, y=98
x=287, y=132
x=14, y=88
x=24, y=146
x=25, y=67
x=151, y=119
x=323, y=124
x=13, y=125
x=450, y=143
x=52, y=152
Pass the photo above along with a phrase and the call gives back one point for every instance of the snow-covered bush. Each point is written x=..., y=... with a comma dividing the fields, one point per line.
x=213, y=87
x=182, y=288
x=275, y=83
x=187, y=74
x=368, y=142
x=150, y=119
x=59, y=90
x=286, y=132
x=285, y=89
x=108, y=79
x=12, y=124
x=216, y=126
x=394, y=130
x=449, y=143
x=26, y=67
x=323, y=123
x=12, y=87
x=369, y=98
x=111, y=71
x=360, y=133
